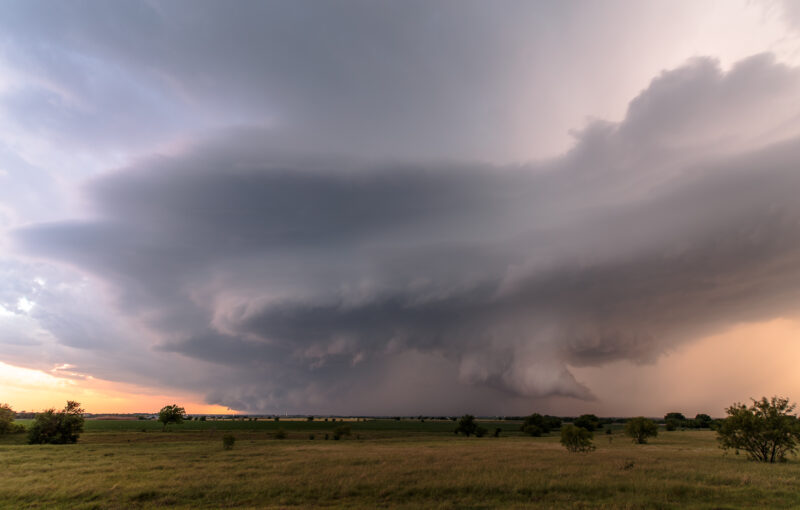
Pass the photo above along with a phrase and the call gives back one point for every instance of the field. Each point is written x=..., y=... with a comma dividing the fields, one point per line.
x=383, y=464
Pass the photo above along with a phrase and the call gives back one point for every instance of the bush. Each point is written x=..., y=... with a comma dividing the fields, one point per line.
x=671, y=424
x=466, y=425
x=228, y=441
x=280, y=434
x=765, y=430
x=640, y=429
x=52, y=427
x=576, y=439
x=341, y=431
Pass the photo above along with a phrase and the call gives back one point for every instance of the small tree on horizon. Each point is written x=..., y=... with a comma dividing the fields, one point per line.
x=468, y=427
x=641, y=428
x=171, y=414
x=589, y=422
x=766, y=429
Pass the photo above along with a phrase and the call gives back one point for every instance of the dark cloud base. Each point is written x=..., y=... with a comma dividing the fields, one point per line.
x=315, y=282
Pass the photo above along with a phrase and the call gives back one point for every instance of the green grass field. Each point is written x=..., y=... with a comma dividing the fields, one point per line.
x=405, y=464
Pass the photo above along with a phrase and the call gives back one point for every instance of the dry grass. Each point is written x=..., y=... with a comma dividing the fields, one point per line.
x=105, y=470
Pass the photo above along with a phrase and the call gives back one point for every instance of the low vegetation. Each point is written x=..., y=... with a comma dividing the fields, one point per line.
x=576, y=439
x=404, y=463
x=228, y=440
x=57, y=427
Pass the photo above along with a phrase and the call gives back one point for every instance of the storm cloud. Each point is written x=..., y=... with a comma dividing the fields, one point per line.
x=315, y=281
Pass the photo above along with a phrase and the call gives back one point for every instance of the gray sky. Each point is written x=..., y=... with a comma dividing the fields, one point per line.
x=376, y=207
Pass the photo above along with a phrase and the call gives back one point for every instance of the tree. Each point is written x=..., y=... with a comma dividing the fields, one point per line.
x=766, y=429
x=703, y=421
x=171, y=414
x=675, y=416
x=576, y=439
x=60, y=427
x=536, y=424
x=589, y=422
x=640, y=429
x=467, y=425
x=7, y=425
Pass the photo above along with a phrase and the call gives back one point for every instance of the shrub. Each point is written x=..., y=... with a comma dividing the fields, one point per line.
x=671, y=424
x=640, y=429
x=466, y=425
x=280, y=434
x=228, y=441
x=341, y=431
x=497, y=432
x=765, y=430
x=57, y=427
x=480, y=431
x=311, y=436
x=576, y=439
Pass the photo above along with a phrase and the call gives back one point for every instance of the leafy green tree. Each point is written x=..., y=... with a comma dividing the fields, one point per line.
x=589, y=422
x=675, y=416
x=703, y=421
x=766, y=430
x=171, y=414
x=576, y=439
x=535, y=425
x=7, y=425
x=57, y=427
x=640, y=429
x=671, y=424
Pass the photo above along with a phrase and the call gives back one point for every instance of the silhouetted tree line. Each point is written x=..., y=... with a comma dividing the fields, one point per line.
x=673, y=421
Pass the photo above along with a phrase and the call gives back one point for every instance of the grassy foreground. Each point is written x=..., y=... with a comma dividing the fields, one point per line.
x=393, y=465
